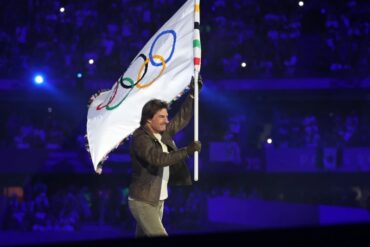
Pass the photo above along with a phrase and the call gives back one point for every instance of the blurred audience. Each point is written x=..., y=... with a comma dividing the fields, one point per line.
x=271, y=38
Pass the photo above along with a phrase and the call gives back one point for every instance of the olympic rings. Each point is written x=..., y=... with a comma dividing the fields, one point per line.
x=172, y=49
x=109, y=108
x=99, y=107
x=141, y=74
x=138, y=80
x=146, y=63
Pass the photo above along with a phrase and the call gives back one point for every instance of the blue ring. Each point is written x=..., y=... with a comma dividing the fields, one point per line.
x=172, y=51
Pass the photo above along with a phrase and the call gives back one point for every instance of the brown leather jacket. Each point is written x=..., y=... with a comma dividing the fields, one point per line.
x=148, y=158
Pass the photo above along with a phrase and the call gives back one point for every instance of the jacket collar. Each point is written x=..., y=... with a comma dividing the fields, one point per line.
x=148, y=131
x=164, y=140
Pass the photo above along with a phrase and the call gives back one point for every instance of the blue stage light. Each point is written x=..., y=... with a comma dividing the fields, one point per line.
x=79, y=75
x=39, y=79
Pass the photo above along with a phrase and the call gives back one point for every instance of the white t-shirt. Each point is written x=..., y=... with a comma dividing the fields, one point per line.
x=166, y=171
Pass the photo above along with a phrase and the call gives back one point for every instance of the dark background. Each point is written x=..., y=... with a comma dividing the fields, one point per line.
x=285, y=137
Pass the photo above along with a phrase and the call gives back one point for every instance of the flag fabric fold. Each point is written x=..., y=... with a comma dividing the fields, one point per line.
x=161, y=70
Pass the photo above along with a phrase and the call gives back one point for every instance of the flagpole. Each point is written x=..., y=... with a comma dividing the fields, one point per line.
x=196, y=124
x=197, y=62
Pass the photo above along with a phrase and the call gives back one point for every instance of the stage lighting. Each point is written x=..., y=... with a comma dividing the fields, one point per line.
x=300, y=3
x=79, y=75
x=39, y=79
x=62, y=9
x=243, y=64
x=269, y=140
x=91, y=61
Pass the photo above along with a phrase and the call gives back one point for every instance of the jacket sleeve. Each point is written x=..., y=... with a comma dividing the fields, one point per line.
x=145, y=149
x=182, y=117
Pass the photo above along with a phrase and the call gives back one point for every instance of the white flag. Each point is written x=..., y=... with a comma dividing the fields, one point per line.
x=161, y=70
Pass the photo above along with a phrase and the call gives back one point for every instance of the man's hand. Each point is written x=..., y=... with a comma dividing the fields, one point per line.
x=193, y=147
x=200, y=84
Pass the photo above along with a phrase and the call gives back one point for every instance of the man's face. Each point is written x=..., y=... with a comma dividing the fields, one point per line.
x=159, y=121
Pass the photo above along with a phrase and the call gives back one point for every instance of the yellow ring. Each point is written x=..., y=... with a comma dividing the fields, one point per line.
x=142, y=67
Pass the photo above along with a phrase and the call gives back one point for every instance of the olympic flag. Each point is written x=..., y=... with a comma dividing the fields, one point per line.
x=162, y=70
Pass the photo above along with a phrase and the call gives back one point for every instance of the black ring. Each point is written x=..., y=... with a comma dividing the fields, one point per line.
x=145, y=70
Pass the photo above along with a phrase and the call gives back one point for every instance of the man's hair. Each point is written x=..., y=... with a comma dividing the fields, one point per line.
x=151, y=108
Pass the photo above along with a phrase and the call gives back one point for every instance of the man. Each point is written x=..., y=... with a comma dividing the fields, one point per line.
x=157, y=161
